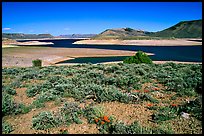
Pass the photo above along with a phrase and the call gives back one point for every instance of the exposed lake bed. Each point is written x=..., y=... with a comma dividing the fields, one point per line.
x=64, y=50
x=170, y=42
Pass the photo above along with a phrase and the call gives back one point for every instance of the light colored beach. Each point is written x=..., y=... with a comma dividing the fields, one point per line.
x=176, y=42
x=34, y=43
x=23, y=56
x=155, y=62
x=8, y=44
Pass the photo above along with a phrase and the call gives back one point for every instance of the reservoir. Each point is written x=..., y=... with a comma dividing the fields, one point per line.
x=162, y=53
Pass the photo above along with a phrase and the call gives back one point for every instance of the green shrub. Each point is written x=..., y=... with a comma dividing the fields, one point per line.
x=37, y=63
x=38, y=103
x=25, y=109
x=70, y=113
x=8, y=105
x=8, y=90
x=33, y=90
x=47, y=96
x=134, y=128
x=140, y=57
x=29, y=75
x=148, y=97
x=6, y=128
x=44, y=120
x=63, y=132
x=165, y=113
x=92, y=112
x=193, y=107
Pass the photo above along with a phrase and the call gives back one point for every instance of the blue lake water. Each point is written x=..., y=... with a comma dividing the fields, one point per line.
x=165, y=53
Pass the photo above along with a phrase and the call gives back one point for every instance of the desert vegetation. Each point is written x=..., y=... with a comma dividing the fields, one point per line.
x=112, y=99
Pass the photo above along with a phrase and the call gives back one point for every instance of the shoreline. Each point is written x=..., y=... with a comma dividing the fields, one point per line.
x=105, y=63
x=176, y=42
x=50, y=39
x=30, y=43
x=23, y=56
x=114, y=62
x=34, y=43
x=9, y=46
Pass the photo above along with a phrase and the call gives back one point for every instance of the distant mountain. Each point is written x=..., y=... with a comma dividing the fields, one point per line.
x=77, y=36
x=121, y=33
x=184, y=29
x=25, y=36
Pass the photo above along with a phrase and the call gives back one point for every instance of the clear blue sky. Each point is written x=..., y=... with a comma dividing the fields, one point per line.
x=94, y=17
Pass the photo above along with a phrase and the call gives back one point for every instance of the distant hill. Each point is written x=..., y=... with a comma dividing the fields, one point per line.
x=184, y=29
x=121, y=33
x=77, y=36
x=25, y=36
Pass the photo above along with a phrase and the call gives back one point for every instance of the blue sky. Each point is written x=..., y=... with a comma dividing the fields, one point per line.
x=59, y=18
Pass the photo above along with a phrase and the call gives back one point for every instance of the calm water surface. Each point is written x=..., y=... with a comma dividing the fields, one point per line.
x=162, y=53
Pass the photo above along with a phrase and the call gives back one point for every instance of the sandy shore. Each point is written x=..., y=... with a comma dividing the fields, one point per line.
x=8, y=46
x=176, y=42
x=23, y=56
x=161, y=62
x=54, y=38
x=155, y=62
x=34, y=43
x=16, y=44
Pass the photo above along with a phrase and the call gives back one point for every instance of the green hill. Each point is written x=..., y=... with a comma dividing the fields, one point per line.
x=25, y=36
x=184, y=29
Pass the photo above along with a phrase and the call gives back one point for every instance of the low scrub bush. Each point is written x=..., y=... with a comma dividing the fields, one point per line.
x=29, y=75
x=25, y=109
x=165, y=113
x=70, y=113
x=8, y=105
x=134, y=128
x=11, y=107
x=33, y=90
x=8, y=90
x=44, y=120
x=6, y=128
x=38, y=103
x=93, y=112
x=193, y=107
x=47, y=96
x=148, y=97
